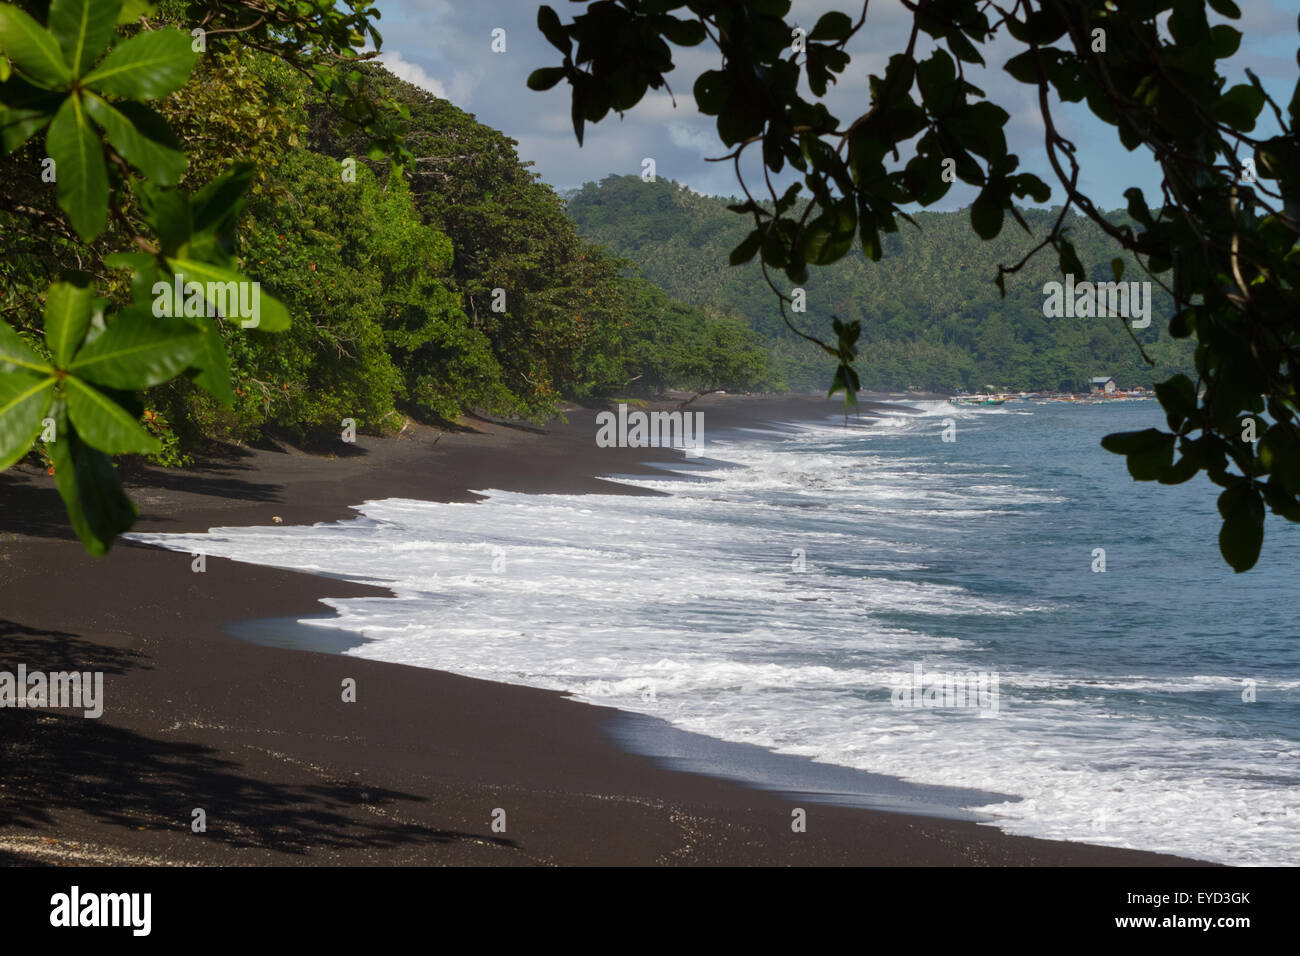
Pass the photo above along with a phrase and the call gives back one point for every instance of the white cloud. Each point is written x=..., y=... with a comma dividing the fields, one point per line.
x=412, y=73
x=459, y=89
x=697, y=140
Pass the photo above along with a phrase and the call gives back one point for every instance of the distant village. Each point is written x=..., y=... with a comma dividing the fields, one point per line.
x=1102, y=388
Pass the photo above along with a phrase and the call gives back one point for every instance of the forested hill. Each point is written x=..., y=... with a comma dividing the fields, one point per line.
x=448, y=285
x=931, y=314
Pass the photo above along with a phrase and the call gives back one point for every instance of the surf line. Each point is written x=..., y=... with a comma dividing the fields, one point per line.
x=638, y=429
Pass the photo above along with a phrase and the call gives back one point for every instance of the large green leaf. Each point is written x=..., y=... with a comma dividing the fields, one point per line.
x=23, y=401
x=213, y=364
x=272, y=315
x=160, y=163
x=84, y=29
x=87, y=481
x=67, y=316
x=14, y=351
x=79, y=166
x=32, y=48
x=25, y=109
x=146, y=67
x=137, y=351
x=104, y=423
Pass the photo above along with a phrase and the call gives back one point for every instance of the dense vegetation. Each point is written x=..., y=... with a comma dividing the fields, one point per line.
x=1220, y=235
x=931, y=314
x=443, y=277
x=388, y=272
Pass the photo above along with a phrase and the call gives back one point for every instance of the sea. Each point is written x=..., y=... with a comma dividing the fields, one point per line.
x=970, y=612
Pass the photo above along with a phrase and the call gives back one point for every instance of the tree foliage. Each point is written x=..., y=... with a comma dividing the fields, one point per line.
x=929, y=315
x=1221, y=244
x=87, y=87
x=199, y=248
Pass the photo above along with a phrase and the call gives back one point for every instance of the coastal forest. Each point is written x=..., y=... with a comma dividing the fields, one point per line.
x=403, y=260
x=461, y=282
x=931, y=315
x=450, y=284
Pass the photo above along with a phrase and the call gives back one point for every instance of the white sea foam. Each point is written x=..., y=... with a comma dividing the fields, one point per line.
x=691, y=607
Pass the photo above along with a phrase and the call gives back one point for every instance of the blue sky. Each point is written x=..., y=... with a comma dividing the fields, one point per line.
x=445, y=47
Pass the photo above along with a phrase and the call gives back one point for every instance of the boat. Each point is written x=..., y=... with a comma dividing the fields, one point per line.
x=976, y=400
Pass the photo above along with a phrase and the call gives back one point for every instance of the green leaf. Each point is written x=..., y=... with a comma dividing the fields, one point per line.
x=169, y=212
x=1137, y=206
x=1242, y=534
x=684, y=32
x=217, y=205
x=104, y=423
x=846, y=381
x=1027, y=184
x=272, y=315
x=1024, y=66
x=832, y=26
x=1069, y=263
x=23, y=401
x=986, y=214
x=1239, y=107
x=18, y=126
x=135, y=261
x=1149, y=451
x=146, y=67
x=548, y=21
x=97, y=507
x=1279, y=452
x=14, y=351
x=67, y=316
x=79, y=165
x=1225, y=40
x=745, y=251
x=160, y=163
x=213, y=364
x=24, y=110
x=546, y=77
x=137, y=351
x=1177, y=396
x=1227, y=8
x=84, y=28
x=133, y=10
x=1182, y=470
x=32, y=49
x=712, y=88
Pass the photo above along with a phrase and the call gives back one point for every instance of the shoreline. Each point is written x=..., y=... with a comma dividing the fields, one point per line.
x=411, y=773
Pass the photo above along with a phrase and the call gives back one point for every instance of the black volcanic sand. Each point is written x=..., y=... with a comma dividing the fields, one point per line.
x=411, y=773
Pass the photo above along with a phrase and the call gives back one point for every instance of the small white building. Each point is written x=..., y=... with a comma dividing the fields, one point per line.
x=1104, y=383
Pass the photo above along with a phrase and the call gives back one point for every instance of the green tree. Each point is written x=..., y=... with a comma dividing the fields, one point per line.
x=72, y=377
x=1222, y=246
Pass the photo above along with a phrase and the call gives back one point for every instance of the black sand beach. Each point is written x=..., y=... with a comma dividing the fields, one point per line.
x=411, y=773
